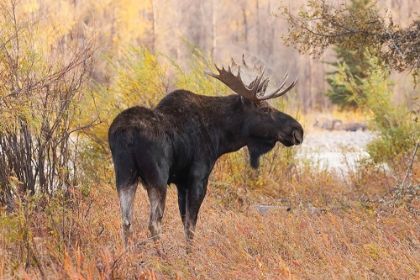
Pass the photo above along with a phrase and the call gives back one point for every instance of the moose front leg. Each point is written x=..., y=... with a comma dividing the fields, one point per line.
x=182, y=201
x=194, y=197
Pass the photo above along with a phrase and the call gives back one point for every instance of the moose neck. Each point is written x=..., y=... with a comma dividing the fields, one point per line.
x=229, y=132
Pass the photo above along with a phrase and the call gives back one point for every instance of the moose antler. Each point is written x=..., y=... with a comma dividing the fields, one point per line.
x=256, y=88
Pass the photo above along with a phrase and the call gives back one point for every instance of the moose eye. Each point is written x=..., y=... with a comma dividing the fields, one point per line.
x=265, y=110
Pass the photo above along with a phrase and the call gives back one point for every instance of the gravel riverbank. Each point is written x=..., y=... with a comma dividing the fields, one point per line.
x=339, y=150
x=336, y=141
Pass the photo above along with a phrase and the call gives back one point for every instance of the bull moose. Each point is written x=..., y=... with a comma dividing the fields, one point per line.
x=180, y=140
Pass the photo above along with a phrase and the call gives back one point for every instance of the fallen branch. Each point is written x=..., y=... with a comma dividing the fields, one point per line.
x=411, y=164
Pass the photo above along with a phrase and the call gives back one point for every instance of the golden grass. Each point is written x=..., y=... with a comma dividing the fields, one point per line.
x=319, y=227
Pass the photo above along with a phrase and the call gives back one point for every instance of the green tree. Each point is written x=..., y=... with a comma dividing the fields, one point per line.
x=356, y=64
x=397, y=133
x=320, y=24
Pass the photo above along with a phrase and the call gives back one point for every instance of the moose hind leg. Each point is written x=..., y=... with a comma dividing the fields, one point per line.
x=157, y=197
x=126, y=195
x=126, y=181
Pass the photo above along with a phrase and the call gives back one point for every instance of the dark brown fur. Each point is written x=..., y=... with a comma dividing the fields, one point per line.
x=179, y=142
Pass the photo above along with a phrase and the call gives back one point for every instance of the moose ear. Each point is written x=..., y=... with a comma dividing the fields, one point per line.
x=246, y=101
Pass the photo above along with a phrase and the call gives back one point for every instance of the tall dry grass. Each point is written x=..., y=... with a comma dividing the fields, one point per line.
x=317, y=227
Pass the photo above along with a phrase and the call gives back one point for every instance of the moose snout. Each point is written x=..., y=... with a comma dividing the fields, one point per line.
x=298, y=137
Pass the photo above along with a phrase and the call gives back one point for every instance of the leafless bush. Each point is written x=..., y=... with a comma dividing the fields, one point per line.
x=40, y=89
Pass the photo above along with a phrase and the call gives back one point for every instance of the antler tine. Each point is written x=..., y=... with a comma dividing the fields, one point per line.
x=258, y=68
x=213, y=74
x=263, y=87
x=233, y=63
x=235, y=82
x=277, y=93
x=243, y=60
x=257, y=88
x=256, y=83
x=283, y=81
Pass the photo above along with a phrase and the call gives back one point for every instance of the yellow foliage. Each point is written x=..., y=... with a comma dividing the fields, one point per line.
x=195, y=80
x=29, y=6
x=140, y=78
x=129, y=23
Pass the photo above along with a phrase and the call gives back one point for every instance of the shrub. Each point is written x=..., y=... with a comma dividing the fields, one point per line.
x=42, y=83
x=396, y=131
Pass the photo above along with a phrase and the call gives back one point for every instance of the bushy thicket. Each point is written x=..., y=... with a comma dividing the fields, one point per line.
x=43, y=81
x=396, y=125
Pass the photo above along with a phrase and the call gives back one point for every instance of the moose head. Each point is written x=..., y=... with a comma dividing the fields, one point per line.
x=266, y=124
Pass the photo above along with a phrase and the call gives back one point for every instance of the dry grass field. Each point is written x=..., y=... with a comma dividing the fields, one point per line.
x=308, y=224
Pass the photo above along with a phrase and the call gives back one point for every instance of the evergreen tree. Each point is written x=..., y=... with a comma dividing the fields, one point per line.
x=357, y=65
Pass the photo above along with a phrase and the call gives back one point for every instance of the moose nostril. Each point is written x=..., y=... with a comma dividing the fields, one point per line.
x=298, y=139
